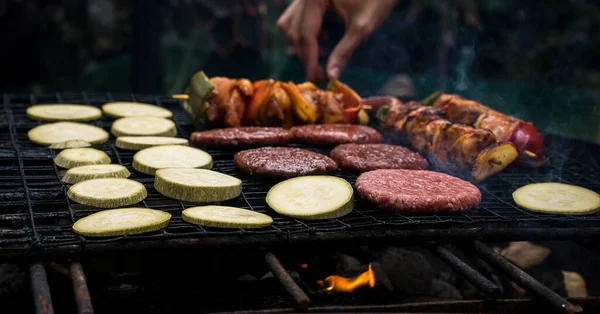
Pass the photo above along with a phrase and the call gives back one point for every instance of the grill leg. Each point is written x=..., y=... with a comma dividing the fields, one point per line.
x=524, y=280
x=301, y=300
x=80, y=289
x=40, y=289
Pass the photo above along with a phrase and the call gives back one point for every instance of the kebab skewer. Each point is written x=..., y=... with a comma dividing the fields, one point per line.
x=526, y=138
x=235, y=102
x=452, y=147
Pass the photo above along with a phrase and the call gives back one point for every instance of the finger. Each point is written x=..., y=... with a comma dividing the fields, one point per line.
x=284, y=21
x=309, y=45
x=341, y=54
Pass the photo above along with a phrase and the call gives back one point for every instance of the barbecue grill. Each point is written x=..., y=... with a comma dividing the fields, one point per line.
x=36, y=216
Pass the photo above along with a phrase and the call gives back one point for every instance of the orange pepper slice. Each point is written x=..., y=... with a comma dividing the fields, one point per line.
x=351, y=100
x=300, y=105
x=262, y=91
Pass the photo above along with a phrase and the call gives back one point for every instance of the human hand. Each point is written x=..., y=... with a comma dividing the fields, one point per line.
x=301, y=23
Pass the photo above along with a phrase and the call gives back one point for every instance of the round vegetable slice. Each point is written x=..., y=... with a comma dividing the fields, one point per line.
x=78, y=174
x=75, y=157
x=141, y=142
x=134, y=109
x=121, y=221
x=197, y=185
x=63, y=112
x=107, y=193
x=170, y=156
x=60, y=132
x=557, y=198
x=226, y=217
x=312, y=197
x=143, y=126
x=70, y=144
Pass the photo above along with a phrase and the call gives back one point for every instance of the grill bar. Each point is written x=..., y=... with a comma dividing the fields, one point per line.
x=80, y=289
x=40, y=289
x=473, y=276
x=301, y=300
x=523, y=279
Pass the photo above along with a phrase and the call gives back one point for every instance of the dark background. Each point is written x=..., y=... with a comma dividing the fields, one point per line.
x=534, y=59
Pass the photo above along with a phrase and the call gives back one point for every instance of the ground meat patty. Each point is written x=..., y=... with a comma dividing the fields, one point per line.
x=283, y=162
x=367, y=157
x=242, y=137
x=417, y=191
x=335, y=134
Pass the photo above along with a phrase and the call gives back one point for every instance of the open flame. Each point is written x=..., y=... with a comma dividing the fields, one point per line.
x=343, y=284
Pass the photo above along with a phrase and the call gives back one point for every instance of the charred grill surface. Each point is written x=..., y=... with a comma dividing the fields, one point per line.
x=36, y=217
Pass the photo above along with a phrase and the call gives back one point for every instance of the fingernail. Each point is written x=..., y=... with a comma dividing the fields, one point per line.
x=334, y=72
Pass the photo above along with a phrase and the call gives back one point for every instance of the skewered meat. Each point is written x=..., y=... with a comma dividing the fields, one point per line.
x=522, y=134
x=452, y=147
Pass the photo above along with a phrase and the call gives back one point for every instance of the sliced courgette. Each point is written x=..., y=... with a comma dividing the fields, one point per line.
x=557, y=198
x=60, y=132
x=108, y=192
x=312, y=197
x=170, y=156
x=70, y=144
x=225, y=217
x=63, y=112
x=134, y=109
x=75, y=157
x=196, y=185
x=143, y=126
x=121, y=221
x=141, y=142
x=78, y=174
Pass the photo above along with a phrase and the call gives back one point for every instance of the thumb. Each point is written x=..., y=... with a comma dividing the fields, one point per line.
x=342, y=53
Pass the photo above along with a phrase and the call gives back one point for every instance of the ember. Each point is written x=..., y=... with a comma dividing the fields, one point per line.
x=343, y=284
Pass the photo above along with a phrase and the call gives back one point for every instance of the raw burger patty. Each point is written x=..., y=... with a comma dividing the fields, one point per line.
x=283, y=162
x=367, y=157
x=335, y=134
x=242, y=137
x=417, y=191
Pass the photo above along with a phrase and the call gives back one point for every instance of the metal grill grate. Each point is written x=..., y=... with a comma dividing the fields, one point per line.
x=35, y=213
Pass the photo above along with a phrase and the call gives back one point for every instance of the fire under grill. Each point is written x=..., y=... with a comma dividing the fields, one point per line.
x=36, y=216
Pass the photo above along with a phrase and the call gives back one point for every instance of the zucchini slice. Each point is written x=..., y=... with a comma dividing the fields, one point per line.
x=78, y=174
x=60, y=132
x=170, y=156
x=75, y=157
x=143, y=126
x=226, y=217
x=108, y=192
x=63, y=112
x=141, y=142
x=557, y=198
x=197, y=185
x=312, y=197
x=121, y=221
x=70, y=144
x=134, y=109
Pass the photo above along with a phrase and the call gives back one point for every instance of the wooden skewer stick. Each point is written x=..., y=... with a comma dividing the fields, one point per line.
x=181, y=96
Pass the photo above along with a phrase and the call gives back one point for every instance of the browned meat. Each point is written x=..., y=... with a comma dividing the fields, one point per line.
x=242, y=137
x=283, y=162
x=417, y=191
x=335, y=134
x=367, y=157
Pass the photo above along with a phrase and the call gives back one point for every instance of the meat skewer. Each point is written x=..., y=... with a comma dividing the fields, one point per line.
x=526, y=138
x=452, y=147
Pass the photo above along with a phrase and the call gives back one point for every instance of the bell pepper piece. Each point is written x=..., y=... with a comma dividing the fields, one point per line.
x=300, y=105
x=352, y=101
x=262, y=91
x=351, y=98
